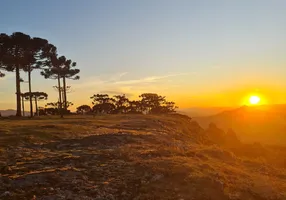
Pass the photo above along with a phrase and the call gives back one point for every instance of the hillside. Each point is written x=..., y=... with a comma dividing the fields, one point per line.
x=264, y=124
x=134, y=157
x=11, y=112
x=202, y=111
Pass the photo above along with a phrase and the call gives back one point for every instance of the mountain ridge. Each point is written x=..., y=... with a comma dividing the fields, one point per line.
x=252, y=123
x=11, y=112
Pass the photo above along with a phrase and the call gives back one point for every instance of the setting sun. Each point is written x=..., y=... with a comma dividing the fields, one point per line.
x=254, y=100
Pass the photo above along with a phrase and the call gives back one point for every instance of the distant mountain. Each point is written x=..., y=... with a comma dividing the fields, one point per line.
x=10, y=112
x=202, y=111
x=264, y=124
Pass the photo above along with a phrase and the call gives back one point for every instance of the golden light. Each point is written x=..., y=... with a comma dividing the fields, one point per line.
x=254, y=100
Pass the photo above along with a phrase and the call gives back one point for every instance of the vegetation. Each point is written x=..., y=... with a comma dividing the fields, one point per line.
x=83, y=109
x=149, y=103
x=61, y=68
x=21, y=52
x=35, y=96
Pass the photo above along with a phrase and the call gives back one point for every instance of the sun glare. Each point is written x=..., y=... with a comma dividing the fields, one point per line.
x=254, y=100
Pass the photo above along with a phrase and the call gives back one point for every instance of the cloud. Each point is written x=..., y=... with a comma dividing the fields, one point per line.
x=100, y=80
x=115, y=80
x=113, y=84
x=116, y=77
x=111, y=92
x=150, y=79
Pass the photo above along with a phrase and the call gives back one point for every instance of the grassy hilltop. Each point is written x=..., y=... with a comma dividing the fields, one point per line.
x=134, y=157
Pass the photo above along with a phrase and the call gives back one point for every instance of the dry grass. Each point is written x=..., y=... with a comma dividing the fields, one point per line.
x=129, y=157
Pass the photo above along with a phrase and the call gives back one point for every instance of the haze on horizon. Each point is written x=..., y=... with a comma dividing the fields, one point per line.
x=197, y=53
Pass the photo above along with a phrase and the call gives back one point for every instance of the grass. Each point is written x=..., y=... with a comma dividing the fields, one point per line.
x=129, y=157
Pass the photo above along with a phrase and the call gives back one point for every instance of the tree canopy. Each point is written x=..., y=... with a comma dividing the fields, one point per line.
x=20, y=51
x=150, y=103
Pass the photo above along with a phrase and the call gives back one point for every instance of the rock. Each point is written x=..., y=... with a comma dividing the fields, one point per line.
x=234, y=196
x=69, y=195
x=5, y=170
x=157, y=177
x=6, y=194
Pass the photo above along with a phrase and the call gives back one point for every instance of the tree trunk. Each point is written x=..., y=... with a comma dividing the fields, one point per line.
x=23, y=107
x=18, y=92
x=65, y=94
x=30, y=91
x=36, y=105
x=60, y=96
x=62, y=92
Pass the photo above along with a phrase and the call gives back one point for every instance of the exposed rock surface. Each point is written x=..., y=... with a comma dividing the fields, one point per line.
x=130, y=157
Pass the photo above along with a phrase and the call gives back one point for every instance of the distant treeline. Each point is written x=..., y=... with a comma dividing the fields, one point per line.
x=149, y=103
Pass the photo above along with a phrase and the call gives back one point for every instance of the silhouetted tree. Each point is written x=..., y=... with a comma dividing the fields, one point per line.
x=22, y=98
x=68, y=72
x=56, y=105
x=37, y=56
x=54, y=72
x=23, y=105
x=152, y=103
x=60, y=67
x=106, y=108
x=13, y=51
x=121, y=103
x=19, y=52
x=36, y=96
x=102, y=103
x=2, y=54
x=83, y=109
x=42, y=111
x=49, y=111
x=134, y=107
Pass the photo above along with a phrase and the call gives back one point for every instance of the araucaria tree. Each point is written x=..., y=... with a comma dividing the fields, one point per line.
x=21, y=52
x=60, y=67
x=37, y=55
x=13, y=52
x=68, y=72
x=36, y=96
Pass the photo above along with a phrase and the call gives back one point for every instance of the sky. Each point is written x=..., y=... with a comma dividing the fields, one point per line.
x=197, y=53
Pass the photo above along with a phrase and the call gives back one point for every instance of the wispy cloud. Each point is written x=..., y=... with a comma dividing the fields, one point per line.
x=113, y=84
x=149, y=79
x=117, y=92
x=100, y=80
x=116, y=77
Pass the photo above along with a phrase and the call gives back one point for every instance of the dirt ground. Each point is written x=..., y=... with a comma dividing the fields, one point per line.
x=127, y=157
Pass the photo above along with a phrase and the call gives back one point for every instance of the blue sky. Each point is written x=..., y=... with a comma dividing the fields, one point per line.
x=197, y=53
